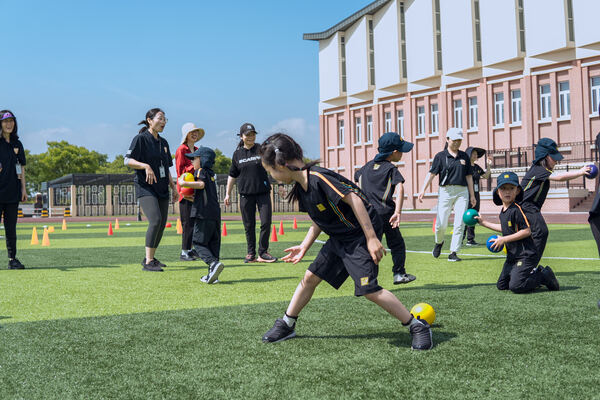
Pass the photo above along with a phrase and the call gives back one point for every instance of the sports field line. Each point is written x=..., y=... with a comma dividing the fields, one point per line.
x=490, y=255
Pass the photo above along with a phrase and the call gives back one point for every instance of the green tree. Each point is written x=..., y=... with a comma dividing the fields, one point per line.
x=117, y=166
x=222, y=163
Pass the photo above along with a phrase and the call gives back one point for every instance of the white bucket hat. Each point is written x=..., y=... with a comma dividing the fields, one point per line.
x=189, y=127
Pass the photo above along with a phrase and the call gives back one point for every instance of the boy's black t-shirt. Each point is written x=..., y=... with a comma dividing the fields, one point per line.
x=247, y=168
x=11, y=154
x=451, y=170
x=323, y=202
x=535, y=185
x=513, y=220
x=206, y=201
x=476, y=172
x=154, y=152
x=378, y=181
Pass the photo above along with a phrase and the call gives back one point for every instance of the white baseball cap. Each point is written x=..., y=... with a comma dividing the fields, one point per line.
x=454, y=134
x=189, y=127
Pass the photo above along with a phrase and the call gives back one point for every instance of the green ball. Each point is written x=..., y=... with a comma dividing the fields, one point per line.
x=469, y=217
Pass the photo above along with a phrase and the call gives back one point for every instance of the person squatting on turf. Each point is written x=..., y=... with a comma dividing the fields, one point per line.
x=536, y=184
x=206, y=212
x=456, y=191
x=380, y=180
x=254, y=189
x=150, y=156
x=340, y=209
x=475, y=153
x=12, y=182
x=521, y=273
x=594, y=218
x=190, y=134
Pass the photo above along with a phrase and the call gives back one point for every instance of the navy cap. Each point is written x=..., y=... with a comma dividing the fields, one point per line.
x=547, y=147
x=503, y=179
x=389, y=142
x=206, y=154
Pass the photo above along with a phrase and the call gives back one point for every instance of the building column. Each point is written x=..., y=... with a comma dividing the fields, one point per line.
x=108, y=199
x=73, y=201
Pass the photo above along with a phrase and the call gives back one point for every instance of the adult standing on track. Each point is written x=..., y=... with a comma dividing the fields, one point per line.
x=12, y=182
x=255, y=192
x=190, y=134
x=150, y=156
x=455, y=193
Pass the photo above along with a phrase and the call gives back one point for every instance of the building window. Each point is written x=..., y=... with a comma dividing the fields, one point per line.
x=477, y=29
x=369, y=129
x=521, y=20
x=371, y=54
x=400, y=123
x=515, y=106
x=564, y=100
x=343, y=61
x=435, y=118
x=473, y=114
x=358, y=130
x=498, y=109
x=388, y=121
x=571, y=28
x=403, y=39
x=458, y=114
x=438, y=34
x=595, y=94
x=545, y=113
x=341, y=132
x=420, y=120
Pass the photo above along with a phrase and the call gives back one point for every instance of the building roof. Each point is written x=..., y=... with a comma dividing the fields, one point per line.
x=342, y=26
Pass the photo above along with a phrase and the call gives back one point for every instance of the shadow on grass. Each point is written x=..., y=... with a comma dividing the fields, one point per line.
x=69, y=268
x=397, y=339
x=438, y=287
x=258, y=280
x=4, y=317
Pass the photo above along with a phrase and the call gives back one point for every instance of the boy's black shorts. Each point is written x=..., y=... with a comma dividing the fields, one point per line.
x=337, y=260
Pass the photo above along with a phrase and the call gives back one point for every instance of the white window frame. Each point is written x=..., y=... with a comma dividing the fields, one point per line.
x=358, y=130
x=595, y=94
x=545, y=103
x=515, y=107
x=473, y=113
x=420, y=120
x=564, y=100
x=435, y=119
x=341, y=132
x=400, y=122
x=498, y=110
x=388, y=121
x=458, y=118
x=369, y=138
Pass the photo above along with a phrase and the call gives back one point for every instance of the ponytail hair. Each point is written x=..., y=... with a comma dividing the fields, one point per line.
x=241, y=143
x=280, y=149
x=149, y=115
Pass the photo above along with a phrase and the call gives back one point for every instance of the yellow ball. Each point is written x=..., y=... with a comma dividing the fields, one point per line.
x=188, y=177
x=424, y=311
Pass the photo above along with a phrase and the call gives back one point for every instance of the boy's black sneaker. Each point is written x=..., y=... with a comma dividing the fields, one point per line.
x=152, y=266
x=214, y=270
x=266, y=258
x=15, y=264
x=420, y=332
x=403, y=278
x=437, y=249
x=549, y=279
x=250, y=258
x=155, y=260
x=472, y=243
x=279, y=332
x=454, y=257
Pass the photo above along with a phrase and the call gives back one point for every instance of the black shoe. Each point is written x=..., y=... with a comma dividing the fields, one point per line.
x=159, y=263
x=187, y=257
x=472, y=243
x=266, y=258
x=454, y=257
x=421, y=335
x=549, y=279
x=437, y=249
x=216, y=267
x=193, y=253
x=152, y=266
x=15, y=264
x=250, y=258
x=403, y=278
x=279, y=332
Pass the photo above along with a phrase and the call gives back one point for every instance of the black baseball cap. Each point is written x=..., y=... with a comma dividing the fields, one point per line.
x=246, y=127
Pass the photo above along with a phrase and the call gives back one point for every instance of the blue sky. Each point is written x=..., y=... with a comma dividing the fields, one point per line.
x=87, y=71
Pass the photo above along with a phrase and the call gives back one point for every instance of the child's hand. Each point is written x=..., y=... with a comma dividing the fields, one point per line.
x=585, y=170
x=420, y=197
x=498, y=242
x=294, y=255
x=395, y=220
x=376, y=249
x=479, y=219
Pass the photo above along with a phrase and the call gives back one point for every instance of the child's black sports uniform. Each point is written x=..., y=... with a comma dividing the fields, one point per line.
x=345, y=253
x=206, y=214
x=378, y=181
x=536, y=185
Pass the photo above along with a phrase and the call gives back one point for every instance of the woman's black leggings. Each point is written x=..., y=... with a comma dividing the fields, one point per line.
x=10, y=211
x=187, y=224
x=157, y=211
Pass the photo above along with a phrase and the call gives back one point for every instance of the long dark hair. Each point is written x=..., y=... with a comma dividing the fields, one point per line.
x=14, y=134
x=149, y=115
x=280, y=149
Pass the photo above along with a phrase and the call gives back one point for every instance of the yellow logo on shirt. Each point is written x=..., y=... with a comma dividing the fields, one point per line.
x=321, y=207
x=364, y=281
x=212, y=178
x=510, y=224
x=376, y=166
x=519, y=263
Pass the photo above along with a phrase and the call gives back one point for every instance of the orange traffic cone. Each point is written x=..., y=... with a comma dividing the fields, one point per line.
x=281, y=227
x=295, y=224
x=117, y=224
x=433, y=226
x=45, y=239
x=274, y=235
x=179, y=227
x=224, y=229
x=110, y=230
x=64, y=227
x=50, y=229
x=34, y=236
x=168, y=225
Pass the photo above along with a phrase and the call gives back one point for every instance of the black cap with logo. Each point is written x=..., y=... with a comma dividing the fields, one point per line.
x=246, y=128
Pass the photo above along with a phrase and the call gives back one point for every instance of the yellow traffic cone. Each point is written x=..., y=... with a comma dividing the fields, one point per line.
x=64, y=227
x=34, y=236
x=45, y=239
x=50, y=229
x=116, y=223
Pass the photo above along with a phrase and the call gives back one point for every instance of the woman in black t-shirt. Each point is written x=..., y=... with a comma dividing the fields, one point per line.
x=474, y=153
x=12, y=182
x=150, y=156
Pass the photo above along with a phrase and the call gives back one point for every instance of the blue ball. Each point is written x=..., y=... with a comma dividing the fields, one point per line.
x=593, y=171
x=488, y=244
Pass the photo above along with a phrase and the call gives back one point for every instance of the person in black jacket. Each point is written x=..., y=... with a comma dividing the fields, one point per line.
x=255, y=192
x=12, y=182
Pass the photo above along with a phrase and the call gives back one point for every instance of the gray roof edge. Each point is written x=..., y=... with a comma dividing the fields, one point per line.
x=369, y=9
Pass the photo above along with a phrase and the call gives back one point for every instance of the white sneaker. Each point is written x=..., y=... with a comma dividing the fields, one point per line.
x=214, y=270
x=204, y=279
x=403, y=278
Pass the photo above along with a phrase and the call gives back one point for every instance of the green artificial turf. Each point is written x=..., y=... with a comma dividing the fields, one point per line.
x=85, y=322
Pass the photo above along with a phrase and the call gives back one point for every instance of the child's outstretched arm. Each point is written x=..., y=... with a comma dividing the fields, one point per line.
x=567, y=176
x=489, y=225
x=190, y=184
x=375, y=247
x=296, y=253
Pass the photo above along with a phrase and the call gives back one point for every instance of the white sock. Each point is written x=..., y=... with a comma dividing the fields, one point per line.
x=290, y=321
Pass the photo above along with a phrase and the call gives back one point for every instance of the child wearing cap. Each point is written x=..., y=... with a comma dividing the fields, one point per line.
x=380, y=180
x=475, y=153
x=520, y=273
x=206, y=212
x=536, y=184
